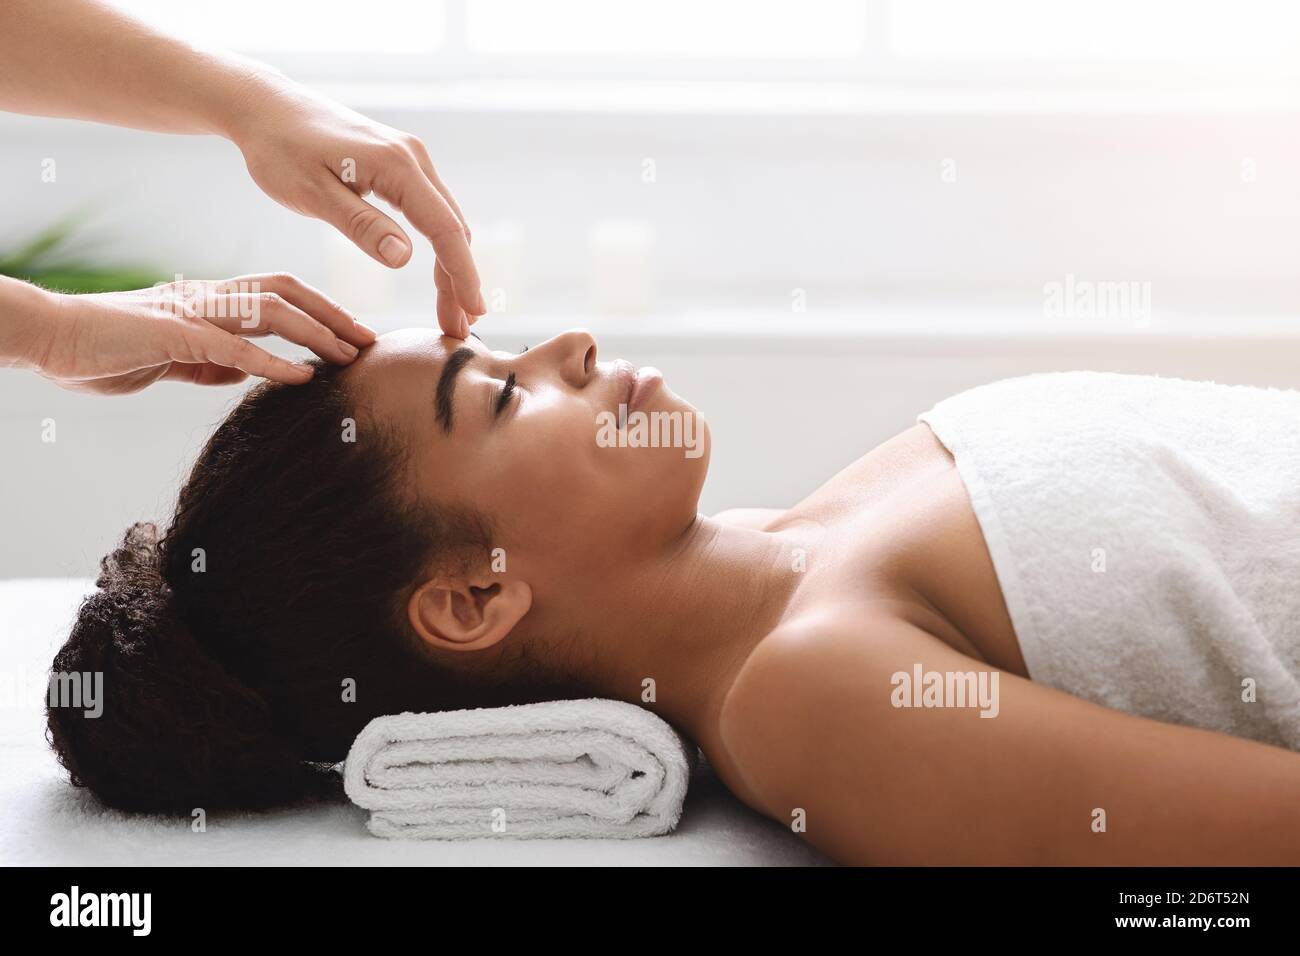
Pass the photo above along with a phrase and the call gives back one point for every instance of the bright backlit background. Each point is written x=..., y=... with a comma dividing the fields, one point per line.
x=817, y=217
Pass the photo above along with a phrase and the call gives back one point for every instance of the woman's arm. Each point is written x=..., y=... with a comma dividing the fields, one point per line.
x=119, y=342
x=811, y=725
x=24, y=324
x=85, y=60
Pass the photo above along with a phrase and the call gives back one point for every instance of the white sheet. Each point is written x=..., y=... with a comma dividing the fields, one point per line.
x=46, y=821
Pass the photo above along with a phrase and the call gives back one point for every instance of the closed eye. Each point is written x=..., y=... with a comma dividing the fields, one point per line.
x=507, y=392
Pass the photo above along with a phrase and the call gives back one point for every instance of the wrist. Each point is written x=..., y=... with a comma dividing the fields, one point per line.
x=29, y=323
x=244, y=90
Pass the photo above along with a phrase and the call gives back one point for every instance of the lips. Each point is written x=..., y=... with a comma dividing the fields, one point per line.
x=647, y=382
x=624, y=384
x=635, y=387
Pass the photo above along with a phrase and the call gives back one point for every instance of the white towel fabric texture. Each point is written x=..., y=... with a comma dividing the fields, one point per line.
x=568, y=768
x=1146, y=536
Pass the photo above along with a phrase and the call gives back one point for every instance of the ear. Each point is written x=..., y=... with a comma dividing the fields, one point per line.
x=465, y=614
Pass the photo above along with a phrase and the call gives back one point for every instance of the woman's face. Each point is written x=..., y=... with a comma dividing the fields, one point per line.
x=580, y=465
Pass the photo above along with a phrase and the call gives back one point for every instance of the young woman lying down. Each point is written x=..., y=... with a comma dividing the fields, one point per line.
x=1053, y=622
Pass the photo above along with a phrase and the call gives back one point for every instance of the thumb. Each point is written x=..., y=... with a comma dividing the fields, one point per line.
x=374, y=233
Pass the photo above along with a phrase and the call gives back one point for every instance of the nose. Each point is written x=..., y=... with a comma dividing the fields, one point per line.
x=571, y=355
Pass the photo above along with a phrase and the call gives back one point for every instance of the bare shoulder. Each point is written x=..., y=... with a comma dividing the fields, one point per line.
x=803, y=680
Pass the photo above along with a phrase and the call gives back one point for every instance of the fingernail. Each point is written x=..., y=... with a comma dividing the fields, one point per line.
x=392, y=250
x=348, y=349
x=304, y=367
x=365, y=330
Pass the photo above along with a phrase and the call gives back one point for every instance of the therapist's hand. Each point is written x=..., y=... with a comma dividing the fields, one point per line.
x=192, y=331
x=88, y=59
x=320, y=159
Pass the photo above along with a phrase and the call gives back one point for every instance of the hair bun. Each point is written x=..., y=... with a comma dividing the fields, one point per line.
x=175, y=730
x=135, y=562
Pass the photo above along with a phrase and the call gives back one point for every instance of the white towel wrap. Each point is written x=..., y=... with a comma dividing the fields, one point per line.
x=569, y=768
x=1146, y=536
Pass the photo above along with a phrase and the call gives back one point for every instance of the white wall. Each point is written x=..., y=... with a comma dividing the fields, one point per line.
x=786, y=412
x=849, y=205
x=915, y=286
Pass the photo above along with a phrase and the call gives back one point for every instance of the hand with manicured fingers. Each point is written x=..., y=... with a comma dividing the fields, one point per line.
x=305, y=151
x=321, y=159
x=192, y=331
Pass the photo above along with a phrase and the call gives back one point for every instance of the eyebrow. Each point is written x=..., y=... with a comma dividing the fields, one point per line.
x=443, y=395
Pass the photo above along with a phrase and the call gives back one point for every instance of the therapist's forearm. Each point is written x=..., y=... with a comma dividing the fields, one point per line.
x=82, y=59
x=27, y=315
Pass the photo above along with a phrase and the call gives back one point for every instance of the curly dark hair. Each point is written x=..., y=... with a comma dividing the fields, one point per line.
x=227, y=642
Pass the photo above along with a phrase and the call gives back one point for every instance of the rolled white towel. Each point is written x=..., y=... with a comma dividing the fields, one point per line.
x=566, y=768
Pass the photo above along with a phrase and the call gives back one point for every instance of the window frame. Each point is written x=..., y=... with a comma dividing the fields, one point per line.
x=876, y=66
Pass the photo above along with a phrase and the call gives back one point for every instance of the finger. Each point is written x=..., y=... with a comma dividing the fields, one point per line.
x=267, y=312
x=426, y=166
x=451, y=317
x=372, y=231
x=204, y=373
x=222, y=348
x=310, y=300
x=447, y=289
x=407, y=188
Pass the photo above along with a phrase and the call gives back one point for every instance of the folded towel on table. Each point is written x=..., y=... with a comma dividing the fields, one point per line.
x=567, y=768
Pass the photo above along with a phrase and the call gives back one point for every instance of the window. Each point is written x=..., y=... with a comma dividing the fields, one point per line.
x=759, y=29
x=937, y=43
x=319, y=27
x=1096, y=30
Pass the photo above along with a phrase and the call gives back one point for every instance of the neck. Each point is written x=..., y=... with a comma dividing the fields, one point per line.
x=689, y=620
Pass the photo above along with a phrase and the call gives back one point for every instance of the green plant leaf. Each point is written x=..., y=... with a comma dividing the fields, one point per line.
x=48, y=261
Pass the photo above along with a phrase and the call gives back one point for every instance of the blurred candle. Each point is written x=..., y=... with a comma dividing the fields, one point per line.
x=358, y=283
x=499, y=255
x=620, y=267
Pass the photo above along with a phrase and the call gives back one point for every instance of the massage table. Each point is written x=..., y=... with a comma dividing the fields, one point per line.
x=44, y=820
